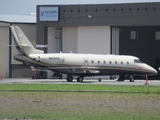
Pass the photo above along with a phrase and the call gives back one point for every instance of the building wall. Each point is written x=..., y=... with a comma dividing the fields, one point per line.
x=126, y=14
x=108, y=14
x=4, y=50
x=145, y=46
x=141, y=17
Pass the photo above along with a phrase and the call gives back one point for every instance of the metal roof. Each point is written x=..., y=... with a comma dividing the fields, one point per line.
x=18, y=18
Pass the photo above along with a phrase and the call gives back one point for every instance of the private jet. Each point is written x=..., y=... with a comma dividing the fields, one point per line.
x=79, y=65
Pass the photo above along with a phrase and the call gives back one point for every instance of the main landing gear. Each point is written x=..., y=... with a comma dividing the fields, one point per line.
x=70, y=79
x=123, y=77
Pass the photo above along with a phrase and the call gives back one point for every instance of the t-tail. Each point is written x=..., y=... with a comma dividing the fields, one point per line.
x=22, y=43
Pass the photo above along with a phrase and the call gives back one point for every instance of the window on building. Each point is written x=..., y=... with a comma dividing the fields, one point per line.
x=134, y=35
x=157, y=35
x=58, y=34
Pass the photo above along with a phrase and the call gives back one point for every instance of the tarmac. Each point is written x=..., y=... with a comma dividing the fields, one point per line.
x=86, y=81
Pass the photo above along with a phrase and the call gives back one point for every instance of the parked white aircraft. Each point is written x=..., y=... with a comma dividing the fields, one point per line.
x=80, y=65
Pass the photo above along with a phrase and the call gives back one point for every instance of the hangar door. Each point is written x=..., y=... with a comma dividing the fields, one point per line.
x=54, y=36
x=94, y=39
x=115, y=41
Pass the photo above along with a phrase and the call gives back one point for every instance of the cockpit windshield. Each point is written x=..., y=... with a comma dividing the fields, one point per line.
x=137, y=61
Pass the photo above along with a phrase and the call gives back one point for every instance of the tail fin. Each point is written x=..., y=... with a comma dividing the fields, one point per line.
x=22, y=43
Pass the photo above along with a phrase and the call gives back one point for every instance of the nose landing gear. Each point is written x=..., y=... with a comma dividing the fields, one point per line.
x=131, y=79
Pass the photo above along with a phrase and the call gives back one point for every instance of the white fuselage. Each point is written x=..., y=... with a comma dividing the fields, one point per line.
x=95, y=62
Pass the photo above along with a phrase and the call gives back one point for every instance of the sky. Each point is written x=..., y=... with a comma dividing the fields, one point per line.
x=24, y=7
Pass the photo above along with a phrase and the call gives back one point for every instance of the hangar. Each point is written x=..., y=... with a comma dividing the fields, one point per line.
x=126, y=28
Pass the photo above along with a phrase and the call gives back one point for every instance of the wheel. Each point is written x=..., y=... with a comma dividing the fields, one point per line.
x=69, y=79
x=131, y=80
x=80, y=79
x=99, y=80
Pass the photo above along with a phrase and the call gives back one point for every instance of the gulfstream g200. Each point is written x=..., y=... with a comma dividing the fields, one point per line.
x=80, y=65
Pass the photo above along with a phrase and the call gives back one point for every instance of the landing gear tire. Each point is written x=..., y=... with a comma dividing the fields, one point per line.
x=80, y=79
x=69, y=79
x=99, y=80
x=131, y=79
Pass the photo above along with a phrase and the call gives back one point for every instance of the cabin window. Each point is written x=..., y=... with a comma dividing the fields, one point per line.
x=137, y=61
x=115, y=62
x=110, y=62
x=98, y=61
x=92, y=61
x=127, y=63
x=121, y=62
x=104, y=62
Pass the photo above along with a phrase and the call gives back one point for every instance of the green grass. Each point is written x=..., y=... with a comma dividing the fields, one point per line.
x=79, y=106
x=79, y=102
x=82, y=87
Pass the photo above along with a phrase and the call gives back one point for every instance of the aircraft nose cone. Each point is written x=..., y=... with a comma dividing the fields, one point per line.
x=150, y=70
x=153, y=71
